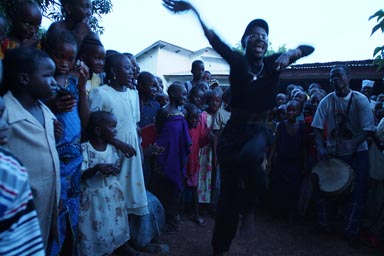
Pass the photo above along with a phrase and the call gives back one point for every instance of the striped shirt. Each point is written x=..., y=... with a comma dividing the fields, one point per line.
x=19, y=228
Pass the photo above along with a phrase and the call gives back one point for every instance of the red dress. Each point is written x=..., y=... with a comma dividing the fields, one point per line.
x=199, y=138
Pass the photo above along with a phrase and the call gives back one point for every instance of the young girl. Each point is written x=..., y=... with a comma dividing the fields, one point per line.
x=124, y=102
x=162, y=98
x=25, y=17
x=71, y=108
x=287, y=154
x=207, y=153
x=173, y=136
x=28, y=79
x=199, y=137
x=103, y=223
x=92, y=53
x=122, y=98
x=197, y=97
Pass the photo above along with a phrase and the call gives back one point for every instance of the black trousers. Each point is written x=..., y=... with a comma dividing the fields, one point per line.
x=243, y=183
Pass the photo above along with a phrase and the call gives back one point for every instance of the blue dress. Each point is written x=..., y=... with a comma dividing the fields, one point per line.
x=71, y=158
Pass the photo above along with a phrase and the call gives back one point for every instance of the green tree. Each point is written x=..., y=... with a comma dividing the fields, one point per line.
x=378, y=53
x=52, y=10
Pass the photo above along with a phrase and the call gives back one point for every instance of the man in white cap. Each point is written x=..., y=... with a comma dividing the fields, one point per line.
x=366, y=89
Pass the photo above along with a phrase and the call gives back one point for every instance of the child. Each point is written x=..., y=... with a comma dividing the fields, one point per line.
x=25, y=17
x=160, y=84
x=173, y=136
x=124, y=102
x=162, y=98
x=17, y=212
x=287, y=154
x=197, y=71
x=92, y=53
x=199, y=137
x=77, y=14
x=207, y=154
x=28, y=79
x=135, y=67
x=70, y=106
x=281, y=99
x=147, y=87
x=197, y=97
x=103, y=223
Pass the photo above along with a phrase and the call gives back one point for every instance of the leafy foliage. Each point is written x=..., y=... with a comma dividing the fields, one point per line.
x=52, y=9
x=378, y=53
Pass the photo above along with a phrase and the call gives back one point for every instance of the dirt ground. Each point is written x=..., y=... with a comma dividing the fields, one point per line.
x=273, y=237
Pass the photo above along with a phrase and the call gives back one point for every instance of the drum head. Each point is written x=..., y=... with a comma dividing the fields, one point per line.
x=334, y=175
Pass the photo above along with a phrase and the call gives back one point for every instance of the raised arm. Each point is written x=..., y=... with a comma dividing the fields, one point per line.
x=291, y=56
x=183, y=6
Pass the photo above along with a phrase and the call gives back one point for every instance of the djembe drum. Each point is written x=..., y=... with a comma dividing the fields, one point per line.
x=335, y=177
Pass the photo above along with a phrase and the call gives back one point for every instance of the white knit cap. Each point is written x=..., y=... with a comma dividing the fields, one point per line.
x=367, y=83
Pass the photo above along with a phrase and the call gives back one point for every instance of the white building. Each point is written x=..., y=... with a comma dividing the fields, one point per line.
x=173, y=63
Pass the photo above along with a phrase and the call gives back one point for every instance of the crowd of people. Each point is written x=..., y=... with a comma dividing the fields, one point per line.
x=98, y=158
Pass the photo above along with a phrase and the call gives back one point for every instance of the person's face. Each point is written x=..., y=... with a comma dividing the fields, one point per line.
x=256, y=42
x=95, y=59
x=204, y=87
x=64, y=57
x=367, y=91
x=281, y=99
x=315, y=102
x=150, y=89
x=198, y=71
x=197, y=98
x=214, y=103
x=81, y=11
x=160, y=84
x=300, y=97
x=163, y=100
x=135, y=67
x=339, y=79
x=27, y=22
x=180, y=96
x=379, y=114
x=108, y=128
x=193, y=118
x=292, y=112
x=3, y=124
x=307, y=111
x=41, y=82
x=207, y=77
x=124, y=74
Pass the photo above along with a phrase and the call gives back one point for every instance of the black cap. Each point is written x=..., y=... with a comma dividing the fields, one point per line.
x=255, y=23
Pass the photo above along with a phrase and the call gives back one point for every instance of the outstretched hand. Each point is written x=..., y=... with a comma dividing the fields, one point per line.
x=177, y=6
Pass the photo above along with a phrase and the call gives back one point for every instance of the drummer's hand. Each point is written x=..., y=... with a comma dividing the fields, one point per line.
x=322, y=154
